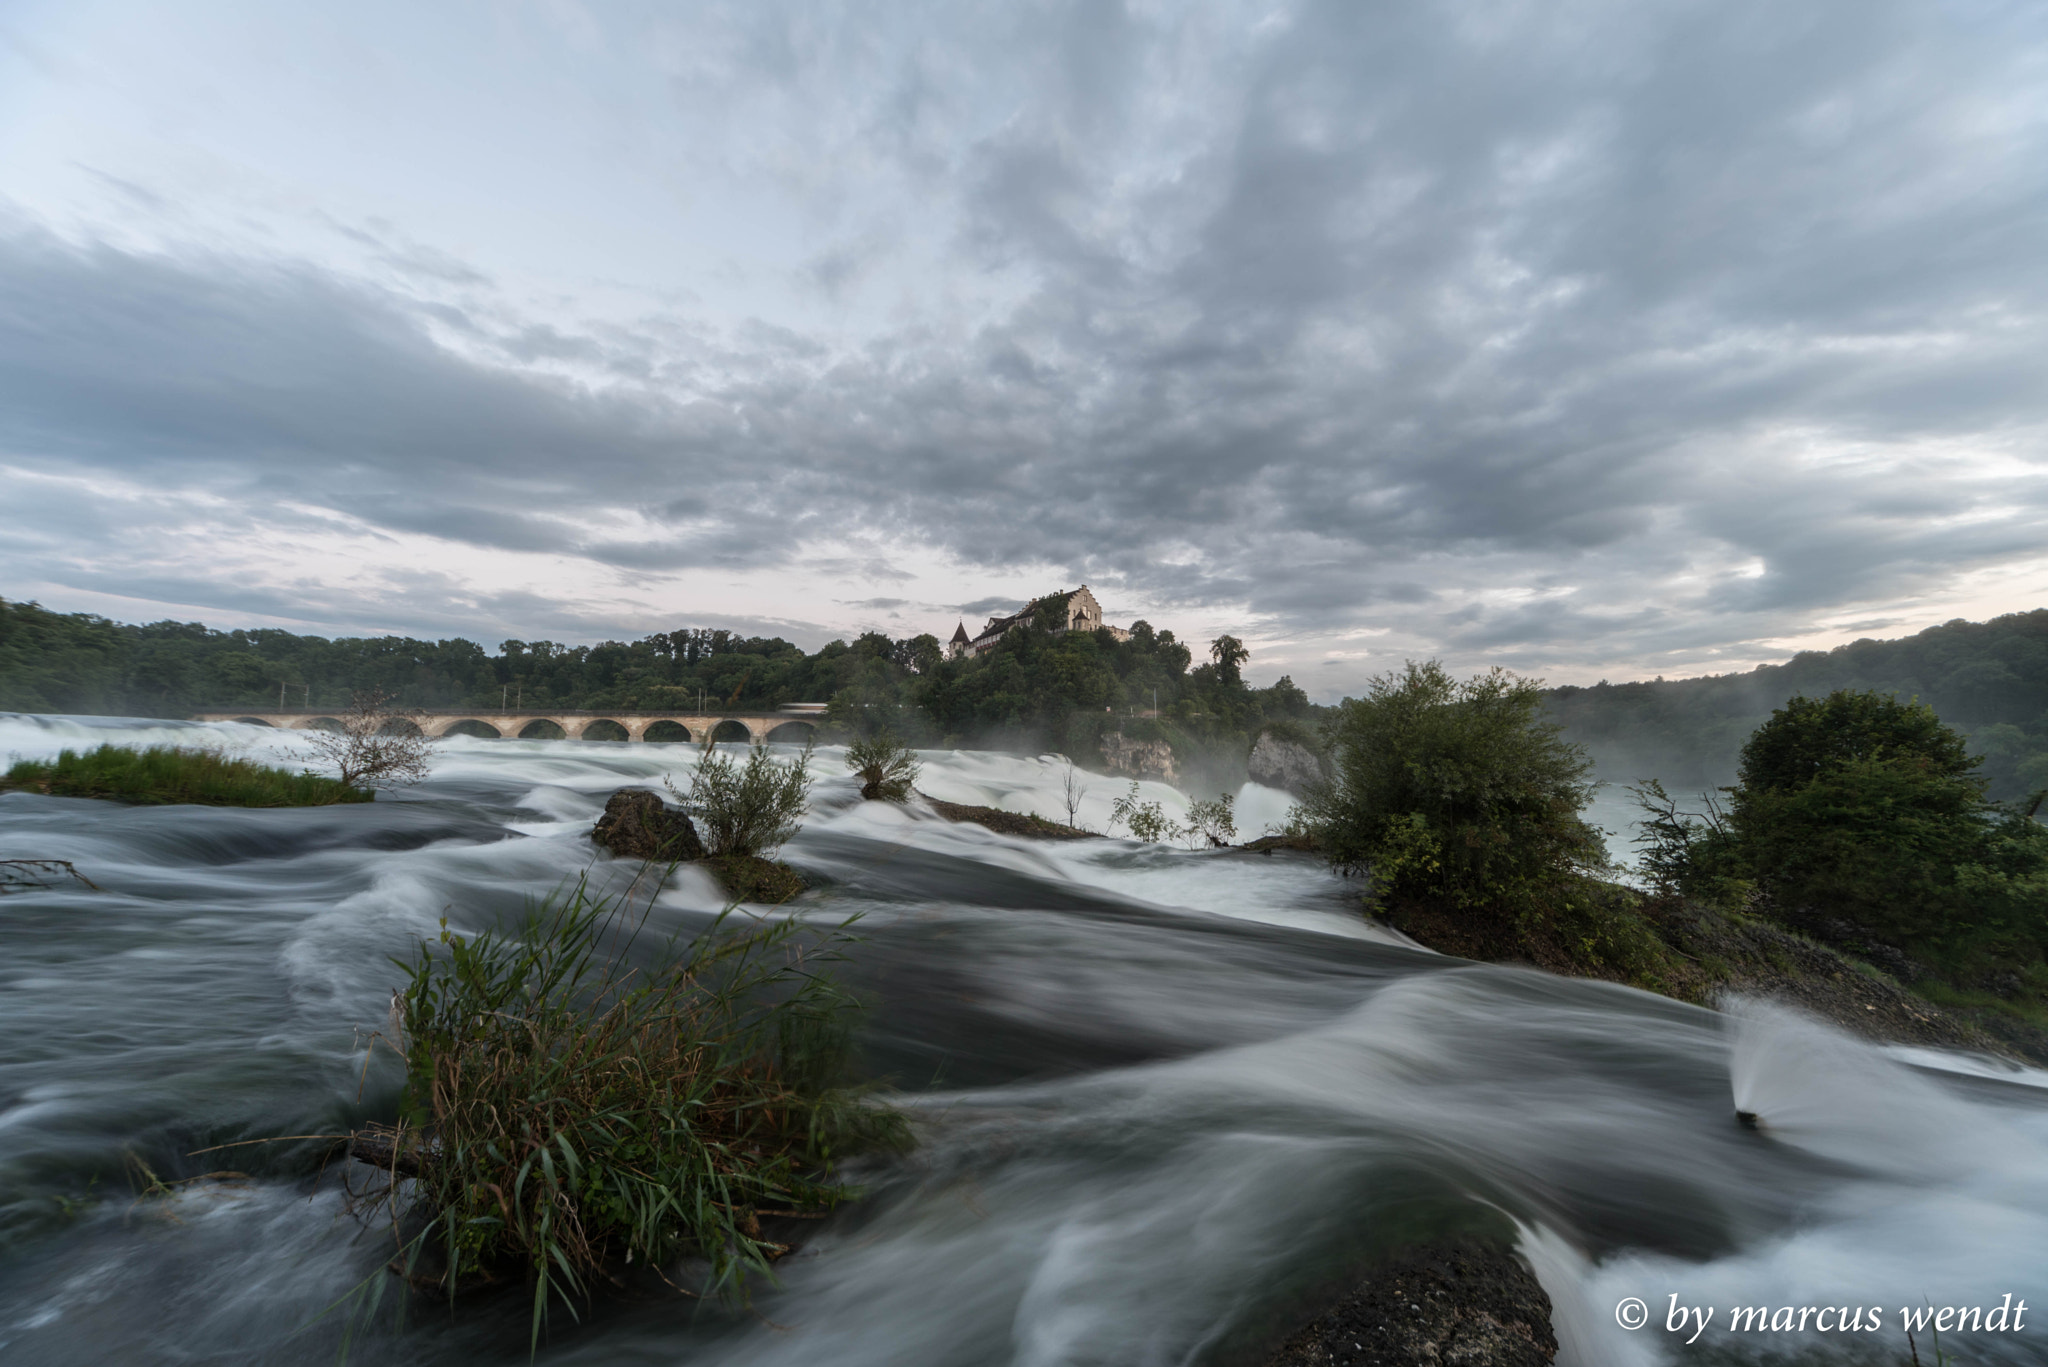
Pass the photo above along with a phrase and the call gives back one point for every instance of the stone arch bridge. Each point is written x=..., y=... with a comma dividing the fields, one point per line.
x=543, y=724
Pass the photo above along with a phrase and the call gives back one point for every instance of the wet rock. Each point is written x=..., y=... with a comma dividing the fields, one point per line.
x=1465, y=1303
x=1139, y=758
x=1284, y=765
x=1031, y=826
x=637, y=824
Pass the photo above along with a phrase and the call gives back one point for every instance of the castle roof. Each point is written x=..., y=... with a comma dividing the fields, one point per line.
x=960, y=633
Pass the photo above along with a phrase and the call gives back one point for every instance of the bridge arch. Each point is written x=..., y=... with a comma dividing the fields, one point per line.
x=791, y=733
x=400, y=726
x=604, y=728
x=471, y=726
x=331, y=725
x=729, y=729
x=253, y=721
x=668, y=731
x=543, y=728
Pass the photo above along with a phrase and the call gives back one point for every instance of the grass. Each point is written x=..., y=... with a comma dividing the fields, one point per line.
x=167, y=773
x=568, y=1118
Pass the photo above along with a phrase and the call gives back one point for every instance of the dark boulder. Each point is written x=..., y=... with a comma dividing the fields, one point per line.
x=637, y=824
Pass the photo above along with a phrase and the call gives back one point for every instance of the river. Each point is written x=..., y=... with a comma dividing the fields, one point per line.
x=1162, y=1095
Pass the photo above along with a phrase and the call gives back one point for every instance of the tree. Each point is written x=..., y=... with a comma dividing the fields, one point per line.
x=1455, y=790
x=1863, y=819
x=377, y=746
x=1228, y=652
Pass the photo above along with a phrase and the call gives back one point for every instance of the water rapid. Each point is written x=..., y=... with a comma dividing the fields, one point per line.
x=1165, y=1098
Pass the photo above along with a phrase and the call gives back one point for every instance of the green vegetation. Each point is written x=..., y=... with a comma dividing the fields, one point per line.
x=1039, y=689
x=1456, y=790
x=166, y=773
x=750, y=808
x=886, y=767
x=1146, y=821
x=569, y=1118
x=1863, y=821
x=1989, y=680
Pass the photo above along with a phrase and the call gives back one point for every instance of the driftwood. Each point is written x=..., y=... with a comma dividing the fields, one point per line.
x=386, y=1150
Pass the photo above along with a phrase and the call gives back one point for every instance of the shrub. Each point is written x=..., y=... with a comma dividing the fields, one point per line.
x=746, y=809
x=1863, y=818
x=567, y=1115
x=378, y=746
x=1214, y=820
x=887, y=768
x=1147, y=820
x=1456, y=790
x=166, y=773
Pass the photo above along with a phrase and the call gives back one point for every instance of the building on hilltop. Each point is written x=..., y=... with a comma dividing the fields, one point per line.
x=1083, y=614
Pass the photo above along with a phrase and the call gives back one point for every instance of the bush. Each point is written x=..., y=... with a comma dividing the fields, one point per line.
x=1213, y=820
x=1455, y=790
x=1148, y=820
x=1862, y=819
x=746, y=809
x=887, y=768
x=166, y=773
x=566, y=1115
x=378, y=745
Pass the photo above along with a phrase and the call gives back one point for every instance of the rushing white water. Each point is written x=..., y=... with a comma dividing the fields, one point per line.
x=1164, y=1096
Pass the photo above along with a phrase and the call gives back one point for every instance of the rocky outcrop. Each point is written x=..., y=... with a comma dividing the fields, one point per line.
x=1285, y=765
x=637, y=824
x=1467, y=1303
x=1139, y=758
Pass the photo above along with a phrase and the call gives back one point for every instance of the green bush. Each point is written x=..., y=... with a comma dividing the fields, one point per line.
x=747, y=808
x=567, y=1116
x=1863, y=819
x=167, y=774
x=1455, y=790
x=887, y=768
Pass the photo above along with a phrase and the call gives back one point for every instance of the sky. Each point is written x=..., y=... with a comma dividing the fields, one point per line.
x=1592, y=338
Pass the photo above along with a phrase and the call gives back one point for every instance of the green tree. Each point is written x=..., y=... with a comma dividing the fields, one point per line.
x=1457, y=790
x=1229, y=653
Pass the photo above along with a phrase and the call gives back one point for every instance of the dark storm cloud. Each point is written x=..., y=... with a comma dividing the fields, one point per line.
x=1550, y=334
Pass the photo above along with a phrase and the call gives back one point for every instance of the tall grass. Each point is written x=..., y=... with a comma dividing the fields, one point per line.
x=566, y=1115
x=167, y=773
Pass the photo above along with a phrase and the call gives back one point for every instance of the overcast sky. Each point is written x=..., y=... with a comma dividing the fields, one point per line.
x=1594, y=339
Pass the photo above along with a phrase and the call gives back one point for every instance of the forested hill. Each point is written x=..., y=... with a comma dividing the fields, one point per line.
x=1987, y=679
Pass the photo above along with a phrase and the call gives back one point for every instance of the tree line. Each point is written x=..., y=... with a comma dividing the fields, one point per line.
x=1039, y=688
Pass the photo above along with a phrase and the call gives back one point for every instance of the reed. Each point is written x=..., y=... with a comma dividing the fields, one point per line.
x=567, y=1116
x=169, y=773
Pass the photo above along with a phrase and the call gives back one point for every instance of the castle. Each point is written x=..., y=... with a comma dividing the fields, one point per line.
x=1083, y=614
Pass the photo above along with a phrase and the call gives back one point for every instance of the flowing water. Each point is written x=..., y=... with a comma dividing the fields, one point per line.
x=1164, y=1097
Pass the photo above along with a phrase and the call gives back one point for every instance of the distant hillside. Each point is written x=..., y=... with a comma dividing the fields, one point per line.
x=1988, y=679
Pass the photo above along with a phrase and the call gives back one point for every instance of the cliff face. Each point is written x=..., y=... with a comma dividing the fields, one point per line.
x=1139, y=758
x=1284, y=765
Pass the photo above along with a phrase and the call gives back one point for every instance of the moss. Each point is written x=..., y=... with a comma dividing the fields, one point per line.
x=750, y=878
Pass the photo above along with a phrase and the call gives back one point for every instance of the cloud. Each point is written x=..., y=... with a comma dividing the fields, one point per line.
x=1572, y=338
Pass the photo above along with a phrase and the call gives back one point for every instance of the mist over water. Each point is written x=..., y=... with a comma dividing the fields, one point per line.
x=1165, y=1098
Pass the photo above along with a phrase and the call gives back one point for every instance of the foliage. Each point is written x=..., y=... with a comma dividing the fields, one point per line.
x=374, y=745
x=1455, y=790
x=569, y=1114
x=1147, y=820
x=1986, y=679
x=166, y=774
x=747, y=808
x=1862, y=820
x=886, y=767
x=1214, y=820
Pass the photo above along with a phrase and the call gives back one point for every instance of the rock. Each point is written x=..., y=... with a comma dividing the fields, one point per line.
x=637, y=824
x=1139, y=758
x=1467, y=1303
x=1031, y=826
x=1285, y=765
